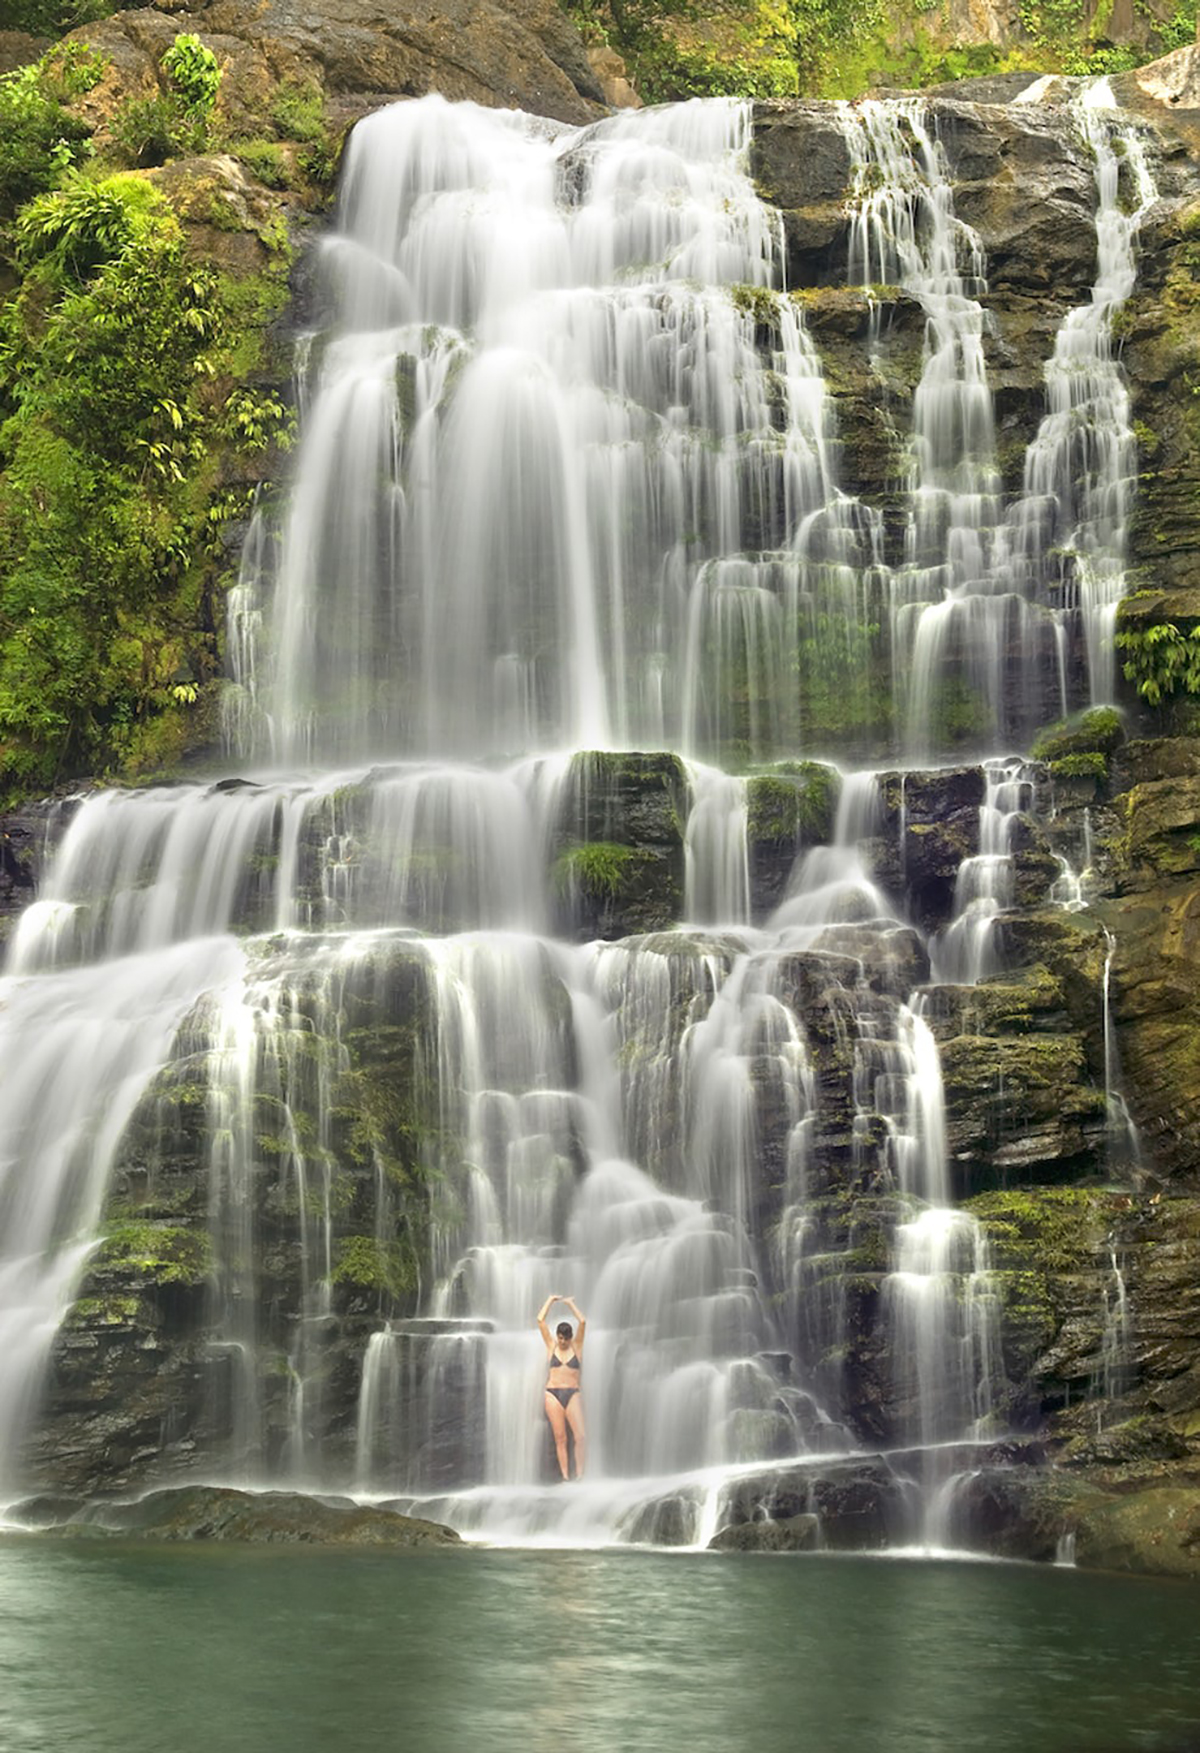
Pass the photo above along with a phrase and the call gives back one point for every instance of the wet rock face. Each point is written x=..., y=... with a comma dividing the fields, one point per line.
x=617, y=846
x=27, y=837
x=150, y=1371
x=1022, y=181
x=847, y=1506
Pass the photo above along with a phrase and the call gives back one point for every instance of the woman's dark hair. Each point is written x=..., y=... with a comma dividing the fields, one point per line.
x=564, y=1330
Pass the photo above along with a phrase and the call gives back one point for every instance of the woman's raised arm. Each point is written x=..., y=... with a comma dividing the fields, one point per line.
x=579, y=1331
x=541, y=1320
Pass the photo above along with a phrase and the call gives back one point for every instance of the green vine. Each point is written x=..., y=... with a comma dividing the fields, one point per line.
x=1161, y=661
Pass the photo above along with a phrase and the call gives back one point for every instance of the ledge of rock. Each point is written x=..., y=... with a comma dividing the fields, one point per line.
x=200, y=1512
x=1036, y=1513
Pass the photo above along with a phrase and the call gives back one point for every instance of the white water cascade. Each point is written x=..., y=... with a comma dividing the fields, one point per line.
x=980, y=602
x=965, y=951
x=1081, y=468
x=556, y=496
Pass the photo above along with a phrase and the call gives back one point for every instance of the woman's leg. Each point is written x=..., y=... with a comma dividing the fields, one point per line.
x=575, y=1420
x=558, y=1424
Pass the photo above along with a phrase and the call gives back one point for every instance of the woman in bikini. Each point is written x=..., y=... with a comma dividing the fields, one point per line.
x=564, y=1403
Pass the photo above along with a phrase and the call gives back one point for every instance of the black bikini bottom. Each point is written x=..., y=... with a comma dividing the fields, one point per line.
x=562, y=1395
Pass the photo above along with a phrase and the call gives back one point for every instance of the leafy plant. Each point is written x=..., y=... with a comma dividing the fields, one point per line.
x=104, y=357
x=194, y=72
x=1161, y=660
x=152, y=129
x=53, y=18
x=39, y=139
x=83, y=224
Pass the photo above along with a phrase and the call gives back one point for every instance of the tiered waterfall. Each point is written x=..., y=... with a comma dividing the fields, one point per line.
x=569, y=482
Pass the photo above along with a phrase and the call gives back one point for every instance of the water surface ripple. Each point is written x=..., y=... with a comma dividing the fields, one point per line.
x=237, y=1650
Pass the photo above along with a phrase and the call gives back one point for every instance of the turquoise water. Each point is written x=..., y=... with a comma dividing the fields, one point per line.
x=116, y=1649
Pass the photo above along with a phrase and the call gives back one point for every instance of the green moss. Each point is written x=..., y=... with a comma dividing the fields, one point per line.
x=1052, y=1229
x=161, y=1253
x=298, y=111
x=773, y=809
x=1096, y=732
x=266, y=160
x=1091, y=764
x=759, y=302
x=597, y=869
x=103, y=1311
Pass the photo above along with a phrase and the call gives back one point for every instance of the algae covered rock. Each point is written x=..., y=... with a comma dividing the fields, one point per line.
x=1020, y=1104
x=618, y=845
x=208, y=1512
x=1041, y=1514
x=790, y=1534
x=788, y=809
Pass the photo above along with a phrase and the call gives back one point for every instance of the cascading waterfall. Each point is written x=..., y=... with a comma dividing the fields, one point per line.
x=965, y=951
x=977, y=605
x=554, y=493
x=1081, y=468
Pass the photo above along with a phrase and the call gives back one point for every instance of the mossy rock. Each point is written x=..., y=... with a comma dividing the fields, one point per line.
x=1071, y=947
x=1154, y=1532
x=1161, y=836
x=1034, y=866
x=1022, y=1105
x=1099, y=731
x=154, y=1254
x=624, y=799
x=789, y=808
x=1046, y=1230
x=790, y=1534
x=1004, y=1005
x=611, y=891
x=276, y=1517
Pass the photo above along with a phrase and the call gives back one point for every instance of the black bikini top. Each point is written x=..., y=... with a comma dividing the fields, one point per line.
x=559, y=1363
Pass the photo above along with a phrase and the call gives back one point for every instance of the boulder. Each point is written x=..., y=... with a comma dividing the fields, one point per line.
x=1042, y=1514
x=859, y=1505
x=792, y=1534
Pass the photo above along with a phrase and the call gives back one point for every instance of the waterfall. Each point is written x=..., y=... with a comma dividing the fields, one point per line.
x=567, y=488
x=979, y=601
x=81, y=1047
x=1081, y=468
x=965, y=951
